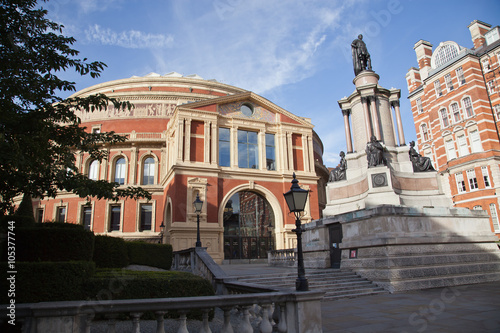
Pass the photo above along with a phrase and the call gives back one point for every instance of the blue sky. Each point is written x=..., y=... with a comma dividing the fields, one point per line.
x=294, y=53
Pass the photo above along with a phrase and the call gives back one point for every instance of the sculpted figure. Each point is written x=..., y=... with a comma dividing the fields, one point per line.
x=339, y=173
x=360, y=56
x=375, y=152
x=420, y=163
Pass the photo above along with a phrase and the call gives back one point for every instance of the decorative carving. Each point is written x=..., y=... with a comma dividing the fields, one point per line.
x=420, y=163
x=375, y=153
x=339, y=173
x=346, y=112
x=379, y=179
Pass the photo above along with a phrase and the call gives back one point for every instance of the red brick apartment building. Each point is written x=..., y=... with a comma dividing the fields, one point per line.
x=455, y=102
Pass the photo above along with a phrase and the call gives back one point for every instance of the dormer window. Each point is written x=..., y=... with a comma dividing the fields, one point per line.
x=444, y=53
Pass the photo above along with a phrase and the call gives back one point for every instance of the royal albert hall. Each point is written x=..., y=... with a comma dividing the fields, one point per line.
x=190, y=137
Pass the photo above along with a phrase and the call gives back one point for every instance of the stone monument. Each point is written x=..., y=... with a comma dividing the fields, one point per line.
x=389, y=219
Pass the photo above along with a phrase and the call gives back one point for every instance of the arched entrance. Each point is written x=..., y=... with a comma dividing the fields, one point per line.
x=248, y=226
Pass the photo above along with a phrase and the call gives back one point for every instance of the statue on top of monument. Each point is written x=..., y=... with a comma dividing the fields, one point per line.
x=339, y=173
x=375, y=152
x=360, y=56
x=420, y=163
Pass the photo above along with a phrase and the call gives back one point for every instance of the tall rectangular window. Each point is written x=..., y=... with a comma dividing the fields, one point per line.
x=148, y=177
x=449, y=83
x=114, y=218
x=468, y=107
x=471, y=176
x=450, y=149
x=224, y=147
x=444, y=117
x=455, y=110
x=419, y=105
x=437, y=87
x=459, y=178
x=146, y=217
x=270, y=152
x=486, y=176
x=87, y=217
x=94, y=169
x=462, y=145
x=120, y=165
x=39, y=215
x=491, y=87
x=494, y=217
x=460, y=76
x=61, y=214
x=248, y=153
x=475, y=141
x=497, y=111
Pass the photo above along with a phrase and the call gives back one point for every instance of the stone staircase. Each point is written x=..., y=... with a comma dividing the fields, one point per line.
x=335, y=283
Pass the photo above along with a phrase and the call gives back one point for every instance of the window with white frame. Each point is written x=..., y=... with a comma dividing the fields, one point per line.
x=475, y=141
x=115, y=218
x=270, y=152
x=94, y=170
x=494, y=217
x=87, y=217
x=120, y=171
x=445, y=53
x=146, y=217
x=471, y=176
x=455, y=110
x=148, y=171
x=449, y=83
x=248, y=152
x=486, y=176
x=491, y=86
x=224, y=147
x=61, y=214
x=467, y=104
x=460, y=76
x=424, y=132
x=444, y=117
x=419, y=105
x=462, y=145
x=459, y=178
x=497, y=111
x=437, y=87
x=450, y=150
x=486, y=64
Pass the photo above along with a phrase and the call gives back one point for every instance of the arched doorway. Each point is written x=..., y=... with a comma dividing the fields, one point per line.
x=248, y=226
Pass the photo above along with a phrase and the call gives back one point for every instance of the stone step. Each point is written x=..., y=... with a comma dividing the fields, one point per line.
x=280, y=280
x=355, y=294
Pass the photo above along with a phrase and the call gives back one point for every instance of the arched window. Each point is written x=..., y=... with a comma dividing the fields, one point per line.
x=443, y=114
x=120, y=171
x=444, y=53
x=424, y=132
x=455, y=110
x=467, y=104
x=148, y=172
x=94, y=170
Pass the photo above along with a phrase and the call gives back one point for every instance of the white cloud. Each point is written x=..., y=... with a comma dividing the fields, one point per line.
x=132, y=39
x=89, y=6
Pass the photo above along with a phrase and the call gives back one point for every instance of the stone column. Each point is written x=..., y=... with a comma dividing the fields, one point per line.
x=399, y=123
x=187, y=144
x=261, y=148
x=289, y=145
x=179, y=141
x=234, y=147
x=206, y=142
x=162, y=165
x=368, y=126
x=375, y=120
x=347, y=128
x=133, y=165
x=215, y=143
x=310, y=148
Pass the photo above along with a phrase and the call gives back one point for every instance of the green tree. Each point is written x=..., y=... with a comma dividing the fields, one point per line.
x=39, y=131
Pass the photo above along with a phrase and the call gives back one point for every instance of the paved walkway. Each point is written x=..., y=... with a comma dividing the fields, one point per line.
x=471, y=308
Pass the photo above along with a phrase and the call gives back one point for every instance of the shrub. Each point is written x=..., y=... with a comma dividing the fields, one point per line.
x=150, y=254
x=54, y=242
x=110, y=252
x=48, y=281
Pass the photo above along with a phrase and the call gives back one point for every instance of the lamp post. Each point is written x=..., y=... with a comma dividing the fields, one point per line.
x=296, y=200
x=197, y=208
x=162, y=230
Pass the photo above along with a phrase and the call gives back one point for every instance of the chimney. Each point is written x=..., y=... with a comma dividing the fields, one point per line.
x=477, y=30
x=413, y=79
x=423, y=49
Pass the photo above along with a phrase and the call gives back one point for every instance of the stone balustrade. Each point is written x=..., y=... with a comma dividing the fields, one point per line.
x=282, y=258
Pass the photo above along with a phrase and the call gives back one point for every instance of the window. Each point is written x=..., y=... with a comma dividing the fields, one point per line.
x=114, y=218
x=419, y=105
x=455, y=110
x=120, y=171
x=486, y=64
x=444, y=117
x=494, y=217
x=270, y=152
x=459, y=178
x=96, y=130
x=224, y=147
x=248, y=154
x=247, y=110
x=449, y=83
x=460, y=76
x=424, y=132
x=94, y=170
x=146, y=217
x=148, y=172
x=445, y=53
x=471, y=176
x=475, y=141
x=437, y=87
x=87, y=217
x=491, y=87
x=497, y=111
x=61, y=214
x=450, y=149
x=39, y=215
x=467, y=104
x=462, y=145
x=486, y=176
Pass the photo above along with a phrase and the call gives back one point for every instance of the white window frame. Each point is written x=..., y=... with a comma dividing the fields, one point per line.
x=497, y=111
x=467, y=106
x=143, y=169
x=107, y=216
x=451, y=151
x=420, y=109
x=424, y=131
x=486, y=64
x=437, y=88
x=459, y=179
x=93, y=169
x=460, y=76
x=120, y=169
x=494, y=217
x=463, y=149
x=486, y=177
x=140, y=203
x=475, y=141
x=449, y=82
x=443, y=119
x=471, y=177
x=491, y=86
x=455, y=110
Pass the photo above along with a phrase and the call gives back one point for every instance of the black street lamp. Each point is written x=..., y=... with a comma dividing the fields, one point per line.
x=197, y=208
x=296, y=200
x=162, y=230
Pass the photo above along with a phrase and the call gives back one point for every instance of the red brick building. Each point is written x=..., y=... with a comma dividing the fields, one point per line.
x=456, y=108
x=187, y=137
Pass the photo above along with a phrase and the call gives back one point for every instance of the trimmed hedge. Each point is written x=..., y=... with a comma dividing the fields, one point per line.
x=48, y=281
x=110, y=252
x=54, y=242
x=150, y=254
